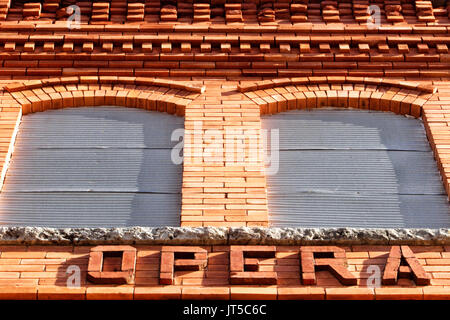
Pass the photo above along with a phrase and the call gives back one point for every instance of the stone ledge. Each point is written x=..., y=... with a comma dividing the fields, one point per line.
x=222, y=236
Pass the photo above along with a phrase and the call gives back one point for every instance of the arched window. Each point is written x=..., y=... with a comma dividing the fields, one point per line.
x=354, y=168
x=93, y=167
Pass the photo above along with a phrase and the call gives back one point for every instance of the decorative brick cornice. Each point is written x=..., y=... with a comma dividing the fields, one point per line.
x=263, y=12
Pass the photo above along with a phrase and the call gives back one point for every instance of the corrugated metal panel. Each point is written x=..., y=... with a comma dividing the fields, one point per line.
x=347, y=129
x=89, y=209
x=356, y=171
x=362, y=211
x=93, y=167
x=354, y=168
x=108, y=170
x=98, y=127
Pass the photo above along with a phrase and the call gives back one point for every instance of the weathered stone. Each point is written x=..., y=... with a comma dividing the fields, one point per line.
x=213, y=235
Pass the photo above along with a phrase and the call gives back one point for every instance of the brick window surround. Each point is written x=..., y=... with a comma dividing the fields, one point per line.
x=225, y=195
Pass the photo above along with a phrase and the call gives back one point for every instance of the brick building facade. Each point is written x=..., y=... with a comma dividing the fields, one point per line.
x=221, y=65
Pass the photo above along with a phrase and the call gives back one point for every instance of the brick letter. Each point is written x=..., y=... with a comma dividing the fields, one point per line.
x=244, y=265
x=178, y=258
x=402, y=263
x=329, y=258
x=101, y=273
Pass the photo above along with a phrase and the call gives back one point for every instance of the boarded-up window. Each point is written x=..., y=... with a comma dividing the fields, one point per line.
x=93, y=167
x=354, y=168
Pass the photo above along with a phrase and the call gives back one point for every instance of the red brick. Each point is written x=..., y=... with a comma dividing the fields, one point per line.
x=18, y=293
x=436, y=293
x=399, y=294
x=109, y=293
x=301, y=293
x=205, y=293
x=61, y=293
x=253, y=293
x=350, y=293
x=157, y=293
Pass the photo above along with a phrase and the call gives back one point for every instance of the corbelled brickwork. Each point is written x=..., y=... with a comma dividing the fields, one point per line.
x=220, y=65
x=229, y=51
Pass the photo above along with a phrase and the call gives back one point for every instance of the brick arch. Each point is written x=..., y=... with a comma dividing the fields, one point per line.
x=24, y=97
x=400, y=97
x=145, y=93
x=281, y=95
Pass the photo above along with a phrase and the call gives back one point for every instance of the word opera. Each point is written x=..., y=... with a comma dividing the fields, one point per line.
x=244, y=264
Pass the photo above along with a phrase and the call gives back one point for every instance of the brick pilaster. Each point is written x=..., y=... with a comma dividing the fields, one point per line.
x=224, y=181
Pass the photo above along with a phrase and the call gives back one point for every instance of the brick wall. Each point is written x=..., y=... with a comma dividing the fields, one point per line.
x=220, y=189
x=37, y=272
x=221, y=66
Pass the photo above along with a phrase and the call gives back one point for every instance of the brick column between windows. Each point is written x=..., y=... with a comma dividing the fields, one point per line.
x=222, y=188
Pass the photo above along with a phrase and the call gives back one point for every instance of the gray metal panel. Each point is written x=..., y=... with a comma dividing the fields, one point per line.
x=364, y=211
x=354, y=168
x=89, y=209
x=356, y=171
x=101, y=170
x=98, y=127
x=93, y=167
x=347, y=129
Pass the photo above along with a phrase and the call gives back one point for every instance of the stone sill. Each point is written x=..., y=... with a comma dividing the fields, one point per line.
x=222, y=236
